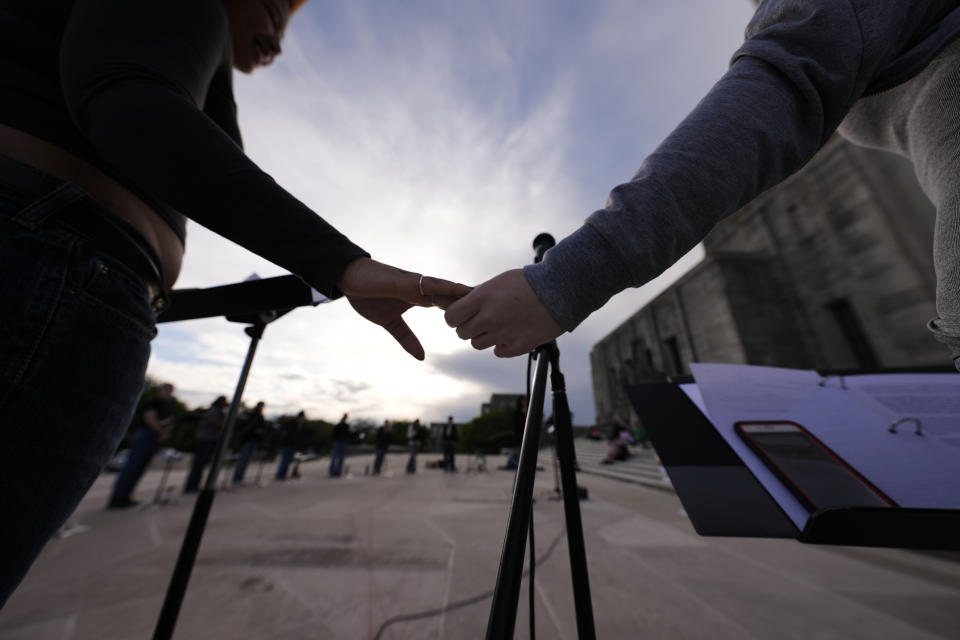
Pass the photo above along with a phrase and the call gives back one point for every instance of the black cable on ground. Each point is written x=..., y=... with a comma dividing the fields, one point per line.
x=407, y=617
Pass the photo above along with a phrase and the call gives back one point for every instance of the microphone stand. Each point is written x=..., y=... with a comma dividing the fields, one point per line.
x=238, y=303
x=503, y=611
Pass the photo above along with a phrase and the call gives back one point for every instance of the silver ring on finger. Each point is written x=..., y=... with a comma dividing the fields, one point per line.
x=420, y=286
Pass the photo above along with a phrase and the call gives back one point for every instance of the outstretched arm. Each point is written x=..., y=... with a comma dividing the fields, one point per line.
x=790, y=85
x=381, y=294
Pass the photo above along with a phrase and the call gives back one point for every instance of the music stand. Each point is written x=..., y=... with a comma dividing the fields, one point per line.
x=256, y=303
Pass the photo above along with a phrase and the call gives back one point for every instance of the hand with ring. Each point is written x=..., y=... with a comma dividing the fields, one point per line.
x=382, y=293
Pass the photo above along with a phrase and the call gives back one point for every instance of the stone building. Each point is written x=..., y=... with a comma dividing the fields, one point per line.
x=830, y=270
x=504, y=402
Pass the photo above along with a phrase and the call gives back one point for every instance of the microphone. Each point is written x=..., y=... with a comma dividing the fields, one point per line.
x=541, y=244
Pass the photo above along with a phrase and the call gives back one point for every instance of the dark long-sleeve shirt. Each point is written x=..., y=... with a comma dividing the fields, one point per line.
x=143, y=91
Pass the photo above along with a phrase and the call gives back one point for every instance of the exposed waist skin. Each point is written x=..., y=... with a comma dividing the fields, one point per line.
x=117, y=199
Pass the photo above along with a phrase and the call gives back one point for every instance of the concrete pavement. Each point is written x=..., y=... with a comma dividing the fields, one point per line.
x=338, y=558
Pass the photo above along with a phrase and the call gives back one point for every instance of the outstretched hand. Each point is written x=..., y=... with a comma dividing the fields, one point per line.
x=504, y=313
x=381, y=294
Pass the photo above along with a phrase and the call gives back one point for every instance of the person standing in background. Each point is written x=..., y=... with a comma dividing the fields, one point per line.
x=450, y=439
x=341, y=433
x=254, y=429
x=380, y=446
x=205, y=442
x=414, y=434
x=156, y=420
x=291, y=432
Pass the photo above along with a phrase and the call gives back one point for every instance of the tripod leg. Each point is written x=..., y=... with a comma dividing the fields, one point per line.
x=503, y=611
x=571, y=503
x=158, y=497
x=201, y=508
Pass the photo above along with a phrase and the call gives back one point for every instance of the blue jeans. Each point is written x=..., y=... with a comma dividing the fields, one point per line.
x=336, y=458
x=286, y=457
x=203, y=452
x=75, y=331
x=378, y=454
x=412, y=462
x=143, y=444
x=246, y=452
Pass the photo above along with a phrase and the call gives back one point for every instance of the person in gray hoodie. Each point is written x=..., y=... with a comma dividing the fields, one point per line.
x=885, y=73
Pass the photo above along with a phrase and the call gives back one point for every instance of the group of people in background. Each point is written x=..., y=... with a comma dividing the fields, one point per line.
x=154, y=423
x=417, y=435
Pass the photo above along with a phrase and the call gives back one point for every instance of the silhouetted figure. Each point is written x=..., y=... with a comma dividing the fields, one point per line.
x=205, y=442
x=415, y=436
x=450, y=438
x=381, y=444
x=156, y=419
x=341, y=433
x=291, y=432
x=254, y=429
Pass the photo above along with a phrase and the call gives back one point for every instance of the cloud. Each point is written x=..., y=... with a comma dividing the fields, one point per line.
x=442, y=137
x=497, y=374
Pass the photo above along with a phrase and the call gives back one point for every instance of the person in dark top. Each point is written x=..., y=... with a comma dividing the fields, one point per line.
x=291, y=432
x=252, y=431
x=415, y=437
x=156, y=419
x=450, y=438
x=380, y=445
x=117, y=122
x=205, y=442
x=341, y=433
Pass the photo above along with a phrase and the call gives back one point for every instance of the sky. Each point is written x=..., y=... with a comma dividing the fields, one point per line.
x=442, y=137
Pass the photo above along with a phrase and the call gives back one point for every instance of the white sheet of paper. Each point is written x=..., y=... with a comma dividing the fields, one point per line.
x=851, y=418
x=734, y=393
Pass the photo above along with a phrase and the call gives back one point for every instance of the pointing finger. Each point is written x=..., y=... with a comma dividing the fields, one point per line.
x=402, y=333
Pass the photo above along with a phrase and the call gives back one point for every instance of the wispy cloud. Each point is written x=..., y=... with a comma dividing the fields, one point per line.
x=443, y=137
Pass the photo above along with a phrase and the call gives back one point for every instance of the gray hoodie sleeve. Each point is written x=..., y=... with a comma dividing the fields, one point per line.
x=788, y=87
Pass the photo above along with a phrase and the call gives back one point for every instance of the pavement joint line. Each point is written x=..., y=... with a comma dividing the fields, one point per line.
x=439, y=529
x=550, y=610
x=445, y=600
x=70, y=627
x=153, y=529
x=295, y=595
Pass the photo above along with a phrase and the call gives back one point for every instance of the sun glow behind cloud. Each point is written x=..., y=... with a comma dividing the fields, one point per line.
x=441, y=138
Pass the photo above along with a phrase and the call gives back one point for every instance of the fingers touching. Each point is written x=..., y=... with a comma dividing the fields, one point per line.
x=504, y=313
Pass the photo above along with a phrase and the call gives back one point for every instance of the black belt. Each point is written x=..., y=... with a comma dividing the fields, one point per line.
x=48, y=199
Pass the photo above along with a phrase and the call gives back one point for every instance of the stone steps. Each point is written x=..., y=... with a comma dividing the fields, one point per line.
x=642, y=467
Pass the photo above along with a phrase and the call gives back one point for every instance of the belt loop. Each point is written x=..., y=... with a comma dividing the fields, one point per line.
x=38, y=211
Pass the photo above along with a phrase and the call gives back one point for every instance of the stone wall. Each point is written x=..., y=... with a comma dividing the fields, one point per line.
x=830, y=270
